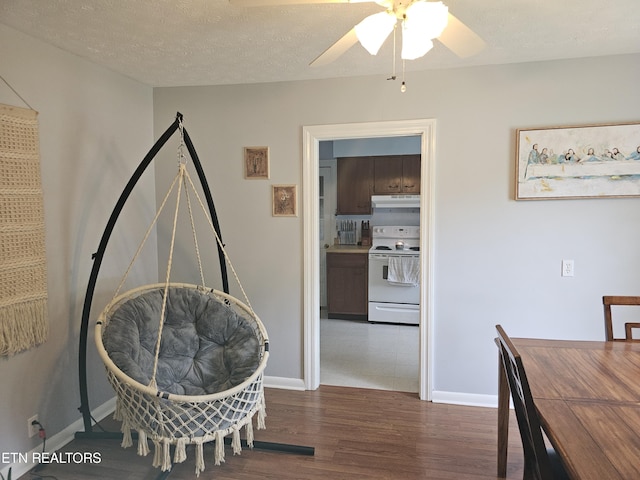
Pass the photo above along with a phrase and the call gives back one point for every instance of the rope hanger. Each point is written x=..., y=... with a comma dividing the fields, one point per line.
x=16, y=92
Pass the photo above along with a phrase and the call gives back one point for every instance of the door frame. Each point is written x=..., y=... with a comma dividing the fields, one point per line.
x=329, y=206
x=311, y=138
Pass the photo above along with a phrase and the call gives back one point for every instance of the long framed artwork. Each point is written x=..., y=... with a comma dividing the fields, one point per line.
x=589, y=161
x=284, y=201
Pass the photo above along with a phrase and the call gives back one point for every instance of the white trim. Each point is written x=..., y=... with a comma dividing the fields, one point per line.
x=468, y=399
x=60, y=439
x=311, y=137
x=284, y=383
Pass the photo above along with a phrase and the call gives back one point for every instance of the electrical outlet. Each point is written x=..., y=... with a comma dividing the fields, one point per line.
x=32, y=429
x=567, y=268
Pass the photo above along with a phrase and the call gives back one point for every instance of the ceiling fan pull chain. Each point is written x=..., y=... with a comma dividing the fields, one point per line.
x=403, y=87
x=395, y=29
x=393, y=73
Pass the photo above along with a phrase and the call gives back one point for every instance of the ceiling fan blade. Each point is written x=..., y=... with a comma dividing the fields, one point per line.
x=269, y=3
x=337, y=49
x=460, y=39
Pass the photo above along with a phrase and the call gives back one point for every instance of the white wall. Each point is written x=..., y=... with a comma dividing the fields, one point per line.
x=95, y=127
x=497, y=260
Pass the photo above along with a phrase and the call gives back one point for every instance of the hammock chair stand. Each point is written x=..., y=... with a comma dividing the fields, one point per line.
x=89, y=431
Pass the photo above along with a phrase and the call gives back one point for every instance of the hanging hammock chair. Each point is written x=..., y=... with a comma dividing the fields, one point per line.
x=186, y=361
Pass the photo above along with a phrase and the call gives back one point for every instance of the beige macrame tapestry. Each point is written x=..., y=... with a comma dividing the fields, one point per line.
x=23, y=267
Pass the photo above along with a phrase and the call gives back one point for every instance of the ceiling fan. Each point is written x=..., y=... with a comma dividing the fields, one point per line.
x=421, y=22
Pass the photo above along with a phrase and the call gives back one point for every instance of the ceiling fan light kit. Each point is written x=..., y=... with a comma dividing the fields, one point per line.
x=374, y=30
x=422, y=21
x=414, y=49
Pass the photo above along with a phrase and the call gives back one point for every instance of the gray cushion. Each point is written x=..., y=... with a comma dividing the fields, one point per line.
x=206, y=346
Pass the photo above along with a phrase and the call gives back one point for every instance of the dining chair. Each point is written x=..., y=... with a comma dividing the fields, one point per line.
x=608, y=301
x=540, y=462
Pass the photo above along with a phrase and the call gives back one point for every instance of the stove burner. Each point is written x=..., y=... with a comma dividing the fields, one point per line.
x=383, y=247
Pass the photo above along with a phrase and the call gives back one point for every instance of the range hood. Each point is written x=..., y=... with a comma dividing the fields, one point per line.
x=395, y=201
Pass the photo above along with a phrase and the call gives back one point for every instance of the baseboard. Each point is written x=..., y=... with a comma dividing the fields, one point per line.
x=284, y=383
x=58, y=440
x=468, y=399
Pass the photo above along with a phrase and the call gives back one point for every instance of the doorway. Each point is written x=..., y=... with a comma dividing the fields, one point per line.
x=312, y=135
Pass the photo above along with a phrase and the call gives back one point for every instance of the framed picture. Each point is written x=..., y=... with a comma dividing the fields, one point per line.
x=590, y=161
x=256, y=162
x=284, y=200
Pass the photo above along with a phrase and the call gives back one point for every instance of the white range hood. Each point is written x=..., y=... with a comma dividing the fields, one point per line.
x=395, y=201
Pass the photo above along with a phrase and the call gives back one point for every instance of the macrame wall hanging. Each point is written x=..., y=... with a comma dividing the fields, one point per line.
x=23, y=266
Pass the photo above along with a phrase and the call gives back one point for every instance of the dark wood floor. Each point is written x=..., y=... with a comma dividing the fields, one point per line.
x=356, y=433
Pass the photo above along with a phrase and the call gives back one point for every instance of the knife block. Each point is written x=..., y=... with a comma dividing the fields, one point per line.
x=365, y=235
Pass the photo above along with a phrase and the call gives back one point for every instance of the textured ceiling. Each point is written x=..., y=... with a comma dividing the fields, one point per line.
x=212, y=42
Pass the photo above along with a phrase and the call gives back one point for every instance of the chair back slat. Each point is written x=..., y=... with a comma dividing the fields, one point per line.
x=619, y=300
x=537, y=465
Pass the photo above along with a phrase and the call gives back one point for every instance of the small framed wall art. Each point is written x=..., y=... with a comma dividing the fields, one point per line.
x=256, y=162
x=284, y=200
x=589, y=161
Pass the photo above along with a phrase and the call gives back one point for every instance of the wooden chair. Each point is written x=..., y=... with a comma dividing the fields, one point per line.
x=608, y=302
x=540, y=463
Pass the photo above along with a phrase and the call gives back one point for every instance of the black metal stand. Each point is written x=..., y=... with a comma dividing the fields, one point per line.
x=97, y=257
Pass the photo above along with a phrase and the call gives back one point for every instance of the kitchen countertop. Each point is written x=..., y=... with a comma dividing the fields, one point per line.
x=348, y=249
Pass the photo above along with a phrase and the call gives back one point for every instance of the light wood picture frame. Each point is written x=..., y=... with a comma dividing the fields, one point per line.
x=587, y=161
x=256, y=162
x=284, y=199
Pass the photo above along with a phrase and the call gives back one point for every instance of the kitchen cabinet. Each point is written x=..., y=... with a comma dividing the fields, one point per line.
x=396, y=174
x=355, y=182
x=347, y=289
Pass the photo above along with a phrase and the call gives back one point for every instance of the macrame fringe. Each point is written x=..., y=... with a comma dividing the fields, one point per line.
x=180, y=454
x=219, y=455
x=236, y=444
x=157, y=454
x=166, y=455
x=143, y=445
x=262, y=414
x=199, y=458
x=22, y=326
x=248, y=430
x=127, y=441
x=162, y=446
x=118, y=414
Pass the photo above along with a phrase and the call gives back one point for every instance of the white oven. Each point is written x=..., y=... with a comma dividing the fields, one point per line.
x=394, y=289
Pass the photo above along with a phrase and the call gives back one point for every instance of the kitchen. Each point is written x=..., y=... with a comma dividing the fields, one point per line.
x=369, y=237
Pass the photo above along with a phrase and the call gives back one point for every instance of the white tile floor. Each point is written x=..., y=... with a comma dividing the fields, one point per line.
x=366, y=355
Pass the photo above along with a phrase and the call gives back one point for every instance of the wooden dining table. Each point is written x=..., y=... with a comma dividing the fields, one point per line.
x=587, y=395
